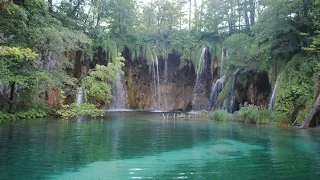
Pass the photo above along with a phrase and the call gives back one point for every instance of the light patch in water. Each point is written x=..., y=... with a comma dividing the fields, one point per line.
x=151, y=166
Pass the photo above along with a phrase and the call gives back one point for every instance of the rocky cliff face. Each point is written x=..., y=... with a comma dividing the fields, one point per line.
x=253, y=87
x=175, y=89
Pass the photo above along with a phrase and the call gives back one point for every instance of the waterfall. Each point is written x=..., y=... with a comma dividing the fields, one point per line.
x=273, y=96
x=165, y=71
x=215, y=90
x=199, y=86
x=201, y=62
x=222, y=58
x=81, y=94
x=119, y=94
x=232, y=104
x=156, y=83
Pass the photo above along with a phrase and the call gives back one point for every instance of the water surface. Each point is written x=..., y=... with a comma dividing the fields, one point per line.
x=140, y=145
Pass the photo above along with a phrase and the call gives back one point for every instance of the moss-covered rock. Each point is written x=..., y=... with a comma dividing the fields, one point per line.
x=294, y=95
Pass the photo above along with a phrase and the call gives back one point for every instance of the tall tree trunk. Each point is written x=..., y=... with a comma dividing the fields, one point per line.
x=239, y=14
x=231, y=20
x=246, y=17
x=50, y=7
x=75, y=10
x=201, y=16
x=98, y=20
x=12, y=88
x=252, y=11
x=189, y=15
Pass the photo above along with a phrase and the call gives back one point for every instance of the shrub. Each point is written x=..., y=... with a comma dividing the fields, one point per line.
x=30, y=114
x=220, y=115
x=73, y=110
x=254, y=114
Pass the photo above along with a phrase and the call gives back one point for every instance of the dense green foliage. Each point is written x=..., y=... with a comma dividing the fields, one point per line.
x=72, y=110
x=220, y=115
x=254, y=114
x=43, y=44
x=98, y=82
x=30, y=114
x=295, y=89
x=249, y=114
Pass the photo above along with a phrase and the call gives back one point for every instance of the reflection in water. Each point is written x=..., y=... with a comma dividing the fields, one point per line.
x=131, y=145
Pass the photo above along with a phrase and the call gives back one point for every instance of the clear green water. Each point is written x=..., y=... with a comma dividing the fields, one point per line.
x=135, y=145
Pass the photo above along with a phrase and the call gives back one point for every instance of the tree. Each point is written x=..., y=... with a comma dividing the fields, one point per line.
x=17, y=69
x=98, y=83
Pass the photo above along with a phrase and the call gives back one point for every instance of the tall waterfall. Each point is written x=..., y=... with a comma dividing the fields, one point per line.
x=119, y=94
x=215, y=90
x=232, y=104
x=81, y=95
x=199, y=88
x=165, y=71
x=156, y=83
x=273, y=96
x=221, y=65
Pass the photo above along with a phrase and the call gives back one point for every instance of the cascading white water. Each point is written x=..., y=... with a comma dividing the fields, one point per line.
x=80, y=95
x=165, y=71
x=198, y=88
x=216, y=89
x=222, y=59
x=156, y=83
x=119, y=94
x=273, y=96
x=201, y=62
x=233, y=93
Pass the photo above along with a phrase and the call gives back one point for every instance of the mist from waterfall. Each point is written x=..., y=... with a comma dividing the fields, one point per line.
x=119, y=94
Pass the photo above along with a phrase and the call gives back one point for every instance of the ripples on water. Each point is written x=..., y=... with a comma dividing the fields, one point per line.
x=142, y=145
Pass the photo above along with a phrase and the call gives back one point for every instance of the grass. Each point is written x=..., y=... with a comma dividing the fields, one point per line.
x=220, y=115
x=249, y=114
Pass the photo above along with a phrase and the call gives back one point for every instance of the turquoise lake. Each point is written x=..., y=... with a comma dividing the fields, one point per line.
x=143, y=145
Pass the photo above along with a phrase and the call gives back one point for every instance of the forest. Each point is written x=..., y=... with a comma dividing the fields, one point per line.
x=50, y=48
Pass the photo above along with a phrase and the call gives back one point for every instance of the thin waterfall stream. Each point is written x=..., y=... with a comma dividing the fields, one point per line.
x=215, y=90
x=273, y=96
x=81, y=94
x=199, y=87
x=156, y=83
x=119, y=94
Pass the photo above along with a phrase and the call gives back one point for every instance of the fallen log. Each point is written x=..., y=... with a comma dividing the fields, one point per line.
x=313, y=111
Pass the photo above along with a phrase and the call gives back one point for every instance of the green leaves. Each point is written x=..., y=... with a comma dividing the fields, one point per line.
x=30, y=114
x=73, y=110
x=17, y=53
x=98, y=83
x=295, y=85
x=242, y=50
x=16, y=65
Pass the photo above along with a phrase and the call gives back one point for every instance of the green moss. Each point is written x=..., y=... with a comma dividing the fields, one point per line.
x=295, y=88
x=304, y=112
x=224, y=93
